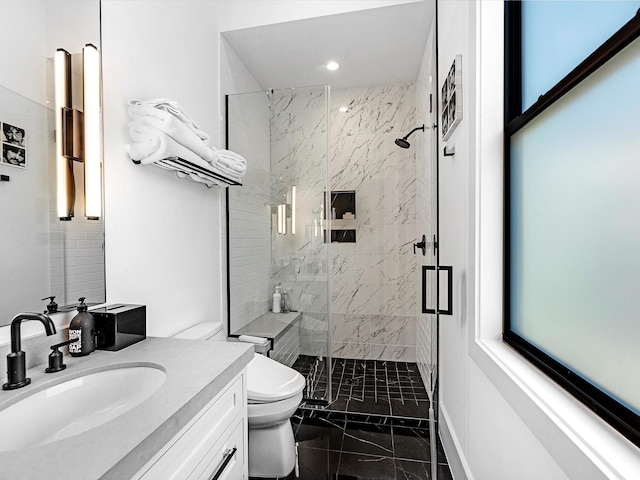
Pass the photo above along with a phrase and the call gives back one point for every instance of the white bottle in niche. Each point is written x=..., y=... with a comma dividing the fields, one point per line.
x=277, y=301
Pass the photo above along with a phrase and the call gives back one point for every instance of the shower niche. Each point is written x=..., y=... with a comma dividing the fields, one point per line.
x=343, y=217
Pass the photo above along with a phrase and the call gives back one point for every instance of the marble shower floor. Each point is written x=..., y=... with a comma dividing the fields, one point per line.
x=361, y=435
x=367, y=387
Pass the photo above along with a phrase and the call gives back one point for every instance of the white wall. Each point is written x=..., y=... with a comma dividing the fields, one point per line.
x=239, y=14
x=249, y=210
x=500, y=418
x=163, y=234
x=250, y=138
x=24, y=37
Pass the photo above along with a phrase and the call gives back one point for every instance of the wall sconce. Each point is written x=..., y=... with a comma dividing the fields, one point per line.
x=66, y=189
x=78, y=134
x=293, y=210
x=92, y=132
x=282, y=219
x=285, y=211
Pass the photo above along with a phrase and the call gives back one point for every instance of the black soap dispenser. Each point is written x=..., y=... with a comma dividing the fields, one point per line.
x=82, y=327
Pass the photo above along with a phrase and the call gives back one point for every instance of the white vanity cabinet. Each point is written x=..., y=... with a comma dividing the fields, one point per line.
x=213, y=445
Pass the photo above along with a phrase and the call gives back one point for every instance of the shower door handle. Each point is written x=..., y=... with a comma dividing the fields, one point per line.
x=421, y=245
x=436, y=309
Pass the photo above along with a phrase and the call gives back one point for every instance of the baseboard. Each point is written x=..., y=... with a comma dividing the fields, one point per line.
x=457, y=464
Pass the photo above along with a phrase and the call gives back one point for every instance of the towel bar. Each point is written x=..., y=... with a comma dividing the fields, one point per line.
x=184, y=166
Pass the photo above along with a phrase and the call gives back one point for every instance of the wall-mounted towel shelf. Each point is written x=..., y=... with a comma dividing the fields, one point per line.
x=186, y=167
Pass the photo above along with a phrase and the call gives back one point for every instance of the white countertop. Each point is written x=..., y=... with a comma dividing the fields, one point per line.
x=196, y=371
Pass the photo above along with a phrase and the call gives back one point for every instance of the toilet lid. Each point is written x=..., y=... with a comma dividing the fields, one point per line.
x=269, y=381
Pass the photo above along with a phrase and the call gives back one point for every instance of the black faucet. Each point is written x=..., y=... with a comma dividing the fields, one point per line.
x=16, y=365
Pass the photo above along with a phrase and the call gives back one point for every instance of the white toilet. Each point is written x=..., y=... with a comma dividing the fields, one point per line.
x=274, y=392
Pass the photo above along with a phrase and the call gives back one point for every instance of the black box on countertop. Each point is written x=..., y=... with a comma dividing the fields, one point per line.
x=120, y=325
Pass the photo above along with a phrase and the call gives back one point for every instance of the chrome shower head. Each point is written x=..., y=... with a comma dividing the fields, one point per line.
x=402, y=142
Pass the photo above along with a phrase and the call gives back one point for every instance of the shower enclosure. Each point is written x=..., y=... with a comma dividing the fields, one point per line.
x=340, y=209
x=277, y=224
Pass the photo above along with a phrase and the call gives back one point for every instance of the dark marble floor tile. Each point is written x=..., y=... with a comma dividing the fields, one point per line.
x=316, y=464
x=367, y=438
x=379, y=406
x=320, y=433
x=411, y=470
x=415, y=409
x=410, y=422
x=411, y=443
x=367, y=467
x=340, y=403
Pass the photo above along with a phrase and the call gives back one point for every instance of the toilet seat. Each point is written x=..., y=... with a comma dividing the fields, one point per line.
x=270, y=381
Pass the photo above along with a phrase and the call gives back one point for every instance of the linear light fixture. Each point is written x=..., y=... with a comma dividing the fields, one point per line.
x=282, y=219
x=92, y=132
x=66, y=190
x=78, y=134
x=293, y=210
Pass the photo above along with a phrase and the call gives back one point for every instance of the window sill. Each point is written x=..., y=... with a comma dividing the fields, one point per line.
x=582, y=444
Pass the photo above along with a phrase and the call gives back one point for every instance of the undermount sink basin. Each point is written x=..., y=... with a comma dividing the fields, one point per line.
x=76, y=406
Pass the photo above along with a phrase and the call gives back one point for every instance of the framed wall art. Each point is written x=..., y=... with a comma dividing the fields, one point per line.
x=14, y=145
x=452, y=98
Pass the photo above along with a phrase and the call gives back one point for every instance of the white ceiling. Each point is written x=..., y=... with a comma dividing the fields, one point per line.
x=379, y=46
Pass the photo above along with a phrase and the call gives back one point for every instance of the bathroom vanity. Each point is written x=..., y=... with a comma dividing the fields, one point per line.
x=193, y=425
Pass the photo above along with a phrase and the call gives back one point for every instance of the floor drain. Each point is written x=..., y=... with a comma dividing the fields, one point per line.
x=357, y=381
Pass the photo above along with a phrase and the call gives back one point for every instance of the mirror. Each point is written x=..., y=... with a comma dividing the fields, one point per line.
x=42, y=256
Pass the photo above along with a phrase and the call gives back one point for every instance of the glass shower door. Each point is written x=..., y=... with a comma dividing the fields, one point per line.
x=299, y=254
x=276, y=228
x=428, y=262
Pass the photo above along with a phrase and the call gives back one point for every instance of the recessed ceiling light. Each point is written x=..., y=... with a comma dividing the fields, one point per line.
x=333, y=66
x=343, y=109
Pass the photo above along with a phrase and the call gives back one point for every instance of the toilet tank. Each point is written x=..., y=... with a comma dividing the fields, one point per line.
x=204, y=331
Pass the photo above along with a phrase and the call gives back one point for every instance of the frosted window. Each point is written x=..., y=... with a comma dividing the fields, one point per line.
x=558, y=35
x=575, y=229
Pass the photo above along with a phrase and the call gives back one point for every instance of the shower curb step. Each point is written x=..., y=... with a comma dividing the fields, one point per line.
x=313, y=411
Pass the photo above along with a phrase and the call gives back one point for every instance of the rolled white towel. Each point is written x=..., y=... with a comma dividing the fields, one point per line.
x=178, y=131
x=168, y=123
x=168, y=106
x=230, y=161
x=255, y=340
x=198, y=178
x=151, y=145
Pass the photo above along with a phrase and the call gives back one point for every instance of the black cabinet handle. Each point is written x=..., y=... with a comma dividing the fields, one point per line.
x=228, y=455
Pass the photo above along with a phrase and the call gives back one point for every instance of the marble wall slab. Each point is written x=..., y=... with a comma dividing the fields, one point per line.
x=373, y=281
x=380, y=337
